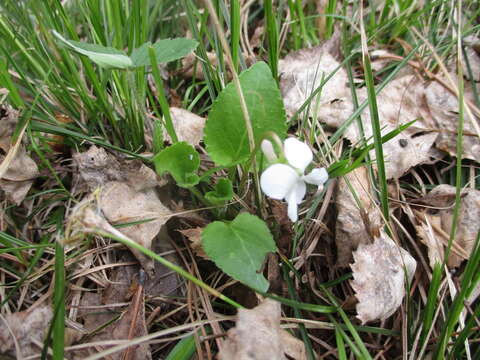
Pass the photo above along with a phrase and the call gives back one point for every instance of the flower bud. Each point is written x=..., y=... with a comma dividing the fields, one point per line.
x=268, y=150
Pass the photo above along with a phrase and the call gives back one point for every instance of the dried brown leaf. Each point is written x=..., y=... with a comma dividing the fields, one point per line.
x=20, y=170
x=257, y=335
x=354, y=226
x=188, y=126
x=379, y=277
x=435, y=225
x=443, y=107
x=121, y=203
x=19, y=331
x=19, y=177
x=195, y=237
x=131, y=324
x=96, y=167
x=303, y=71
x=293, y=347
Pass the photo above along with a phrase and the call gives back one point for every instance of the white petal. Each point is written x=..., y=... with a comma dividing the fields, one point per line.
x=316, y=177
x=297, y=153
x=300, y=191
x=292, y=206
x=267, y=148
x=278, y=180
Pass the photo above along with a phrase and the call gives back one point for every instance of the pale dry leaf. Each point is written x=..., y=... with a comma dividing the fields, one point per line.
x=427, y=234
x=301, y=72
x=353, y=228
x=96, y=167
x=188, y=126
x=124, y=205
x=400, y=102
x=19, y=177
x=195, y=237
x=20, y=170
x=379, y=277
x=293, y=347
x=9, y=118
x=28, y=327
x=256, y=335
x=121, y=203
x=443, y=107
x=468, y=226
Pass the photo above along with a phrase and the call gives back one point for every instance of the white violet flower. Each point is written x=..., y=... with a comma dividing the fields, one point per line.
x=287, y=181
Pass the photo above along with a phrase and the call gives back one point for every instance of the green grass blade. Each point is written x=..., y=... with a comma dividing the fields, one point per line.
x=162, y=98
x=58, y=333
x=183, y=350
x=377, y=136
x=272, y=37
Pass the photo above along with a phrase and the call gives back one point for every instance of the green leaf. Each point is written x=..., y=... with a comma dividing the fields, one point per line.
x=222, y=193
x=225, y=132
x=239, y=248
x=181, y=161
x=104, y=56
x=165, y=51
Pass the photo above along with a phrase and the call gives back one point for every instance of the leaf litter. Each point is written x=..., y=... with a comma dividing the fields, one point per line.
x=435, y=224
x=258, y=335
x=404, y=99
x=22, y=333
x=380, y=271
x=127, y=195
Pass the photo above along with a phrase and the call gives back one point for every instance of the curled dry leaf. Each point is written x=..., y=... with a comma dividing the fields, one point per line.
x=257, y=335
x=127, y=195
x=355, y=226
x=19, y=331
x=379, y=277
x=121, y=204
x=435, y=224
x=21, y=170
x=188, y=126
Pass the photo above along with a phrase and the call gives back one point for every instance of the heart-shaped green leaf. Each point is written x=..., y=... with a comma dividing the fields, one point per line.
x=181, y=161
x=222, y=193
x=239, y=248
x=225, y=131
